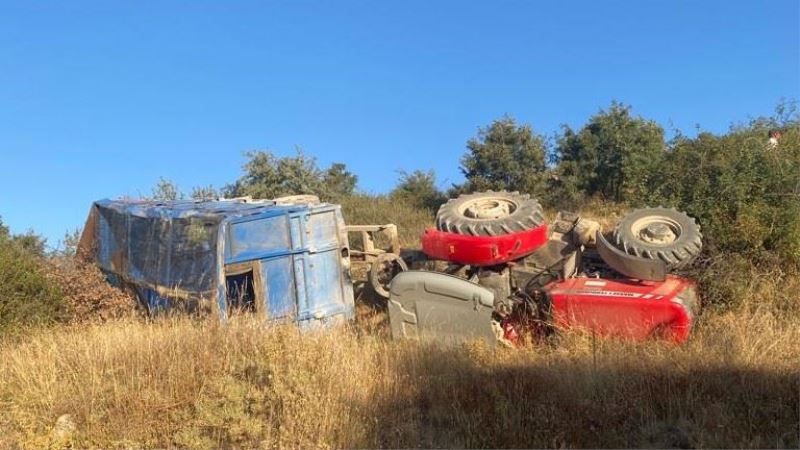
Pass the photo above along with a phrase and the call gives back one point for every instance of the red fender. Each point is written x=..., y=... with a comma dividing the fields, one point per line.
x=482, y=250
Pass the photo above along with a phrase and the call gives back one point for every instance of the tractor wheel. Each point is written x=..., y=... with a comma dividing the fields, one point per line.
x=660, y=233
x=489, y=214
x=385, y=267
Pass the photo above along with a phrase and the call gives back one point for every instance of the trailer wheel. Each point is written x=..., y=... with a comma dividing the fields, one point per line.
x=660, y=233
x=385, y=267
x=489, y=214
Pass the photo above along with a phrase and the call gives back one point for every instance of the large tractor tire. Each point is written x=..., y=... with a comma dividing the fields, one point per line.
x=660, y=233
x=489, y=214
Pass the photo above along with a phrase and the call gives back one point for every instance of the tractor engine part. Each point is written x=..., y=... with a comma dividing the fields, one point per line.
x=558, y=253
x=586, y=231
x=497, y=280
x=489, y=214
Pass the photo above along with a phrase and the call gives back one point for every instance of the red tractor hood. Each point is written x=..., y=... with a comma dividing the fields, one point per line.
x=628, y=309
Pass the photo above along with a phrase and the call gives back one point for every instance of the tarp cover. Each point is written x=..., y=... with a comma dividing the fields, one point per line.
x=169, y=247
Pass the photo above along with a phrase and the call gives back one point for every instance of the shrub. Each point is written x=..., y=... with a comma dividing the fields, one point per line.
x=269, y=176
x=745, y=193
x=613, y=155
x=419, y=189
x=27, y=296
x=504, y=156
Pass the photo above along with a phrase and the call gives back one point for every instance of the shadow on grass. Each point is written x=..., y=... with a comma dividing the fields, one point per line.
x=449, y=399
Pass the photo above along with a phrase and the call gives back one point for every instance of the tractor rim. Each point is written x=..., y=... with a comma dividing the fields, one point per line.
x=657, y=230
x=488, y=208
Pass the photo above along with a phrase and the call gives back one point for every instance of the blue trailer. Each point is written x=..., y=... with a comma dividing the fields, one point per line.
x=288, y=262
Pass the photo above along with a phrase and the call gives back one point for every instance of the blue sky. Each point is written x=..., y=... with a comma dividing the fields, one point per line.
x=100, y=99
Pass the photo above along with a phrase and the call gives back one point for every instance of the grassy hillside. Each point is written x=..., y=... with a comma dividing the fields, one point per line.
x=197, y=384
x=179, y=382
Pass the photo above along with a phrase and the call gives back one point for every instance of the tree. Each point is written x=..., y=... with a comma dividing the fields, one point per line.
x=744, y=193
x=71, y=241
x=504, y=155
x=4, y=231
x=268, y=176
x=338, y=181
x=419, y=189
x=204, y=193
x=166, y=190
x=614, y=155
x=28, y=242
x=27, y=295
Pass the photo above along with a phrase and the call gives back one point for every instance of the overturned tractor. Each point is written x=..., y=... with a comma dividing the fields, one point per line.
x=511, y=277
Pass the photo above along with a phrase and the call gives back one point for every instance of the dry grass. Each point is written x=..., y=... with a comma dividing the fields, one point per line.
x=197, y=384
x=376, y=210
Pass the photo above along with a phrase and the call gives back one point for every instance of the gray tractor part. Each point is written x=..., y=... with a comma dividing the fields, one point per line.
x=440, y=307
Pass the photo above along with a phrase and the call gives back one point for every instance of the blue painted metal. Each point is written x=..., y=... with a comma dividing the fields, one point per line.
x=177, y=252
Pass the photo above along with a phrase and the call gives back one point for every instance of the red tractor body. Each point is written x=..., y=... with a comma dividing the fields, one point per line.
x=482, y=250
x=623, y=308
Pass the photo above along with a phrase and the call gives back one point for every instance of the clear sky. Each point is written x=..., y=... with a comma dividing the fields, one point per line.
x=99, y=99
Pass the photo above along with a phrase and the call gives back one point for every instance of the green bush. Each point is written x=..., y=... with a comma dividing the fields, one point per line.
x=419, y=189
x=744, y=192
x=269, y=176
x=504, y=156
x=27, y=296
x=613, y=155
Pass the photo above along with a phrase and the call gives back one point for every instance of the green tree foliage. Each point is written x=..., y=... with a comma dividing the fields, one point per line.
x=70, y=242
x=419, y=188
x=270, y=176
x=204, y=193
x=744, y=192
x=338, y=182
x=614, y=154
x=27, y=297
x=166, y=190
x=28, y=242
x=504, y=155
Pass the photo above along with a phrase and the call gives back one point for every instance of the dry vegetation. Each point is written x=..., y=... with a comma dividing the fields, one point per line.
x=87, y=297
x=178, y=382
x=197, y=384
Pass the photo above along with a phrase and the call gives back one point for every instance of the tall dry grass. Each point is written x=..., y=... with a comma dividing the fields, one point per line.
x=411, y=221
x=197, y=384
